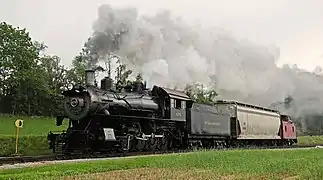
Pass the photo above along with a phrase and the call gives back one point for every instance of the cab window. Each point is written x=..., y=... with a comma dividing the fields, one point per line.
x=178, y=104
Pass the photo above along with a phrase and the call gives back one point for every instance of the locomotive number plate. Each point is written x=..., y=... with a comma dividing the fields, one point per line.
x=109, y=134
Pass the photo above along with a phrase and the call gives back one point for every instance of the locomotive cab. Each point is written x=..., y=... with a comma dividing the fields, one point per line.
x=173, y=103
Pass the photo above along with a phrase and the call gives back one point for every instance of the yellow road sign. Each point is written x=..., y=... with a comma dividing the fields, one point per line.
x=19, y=123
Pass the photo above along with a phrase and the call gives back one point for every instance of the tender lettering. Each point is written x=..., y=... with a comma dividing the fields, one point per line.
x=212, y=123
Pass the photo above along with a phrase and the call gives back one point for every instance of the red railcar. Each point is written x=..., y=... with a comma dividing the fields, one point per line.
x=288, y=130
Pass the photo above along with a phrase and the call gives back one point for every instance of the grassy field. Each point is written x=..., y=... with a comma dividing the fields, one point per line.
x=235, y=164
x=32, y=136
x=33, y=126
x=308, y=140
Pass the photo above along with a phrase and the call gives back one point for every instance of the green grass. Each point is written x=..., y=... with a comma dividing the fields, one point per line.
x=308, y=140
x=244, y=164
x=32, y=136
x=27, y=145
x=35, y=126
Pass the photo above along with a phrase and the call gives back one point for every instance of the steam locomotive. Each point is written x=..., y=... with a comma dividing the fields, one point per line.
x=103, y=120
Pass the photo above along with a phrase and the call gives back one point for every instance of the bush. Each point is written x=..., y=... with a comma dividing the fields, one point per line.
x=27, y=145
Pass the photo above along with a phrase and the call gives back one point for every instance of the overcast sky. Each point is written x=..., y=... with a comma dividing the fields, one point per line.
x=296, y=26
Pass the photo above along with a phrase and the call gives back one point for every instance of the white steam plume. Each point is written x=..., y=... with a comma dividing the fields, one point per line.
x=170, y=52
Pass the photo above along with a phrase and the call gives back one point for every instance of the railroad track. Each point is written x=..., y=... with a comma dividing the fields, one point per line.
x=26, y=159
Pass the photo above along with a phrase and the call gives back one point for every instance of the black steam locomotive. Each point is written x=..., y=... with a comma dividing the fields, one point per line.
x=104, y=120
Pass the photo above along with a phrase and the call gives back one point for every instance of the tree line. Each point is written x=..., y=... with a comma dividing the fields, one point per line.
x=31, y=80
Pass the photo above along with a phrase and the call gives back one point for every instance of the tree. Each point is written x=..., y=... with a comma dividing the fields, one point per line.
x=18, y=67
x=81, y=62
x=30, y=80
x=77, y=72
x=122, y=74
x=201, y=94
x=17, y=54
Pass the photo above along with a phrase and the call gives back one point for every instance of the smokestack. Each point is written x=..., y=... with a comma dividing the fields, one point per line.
x=90, y=77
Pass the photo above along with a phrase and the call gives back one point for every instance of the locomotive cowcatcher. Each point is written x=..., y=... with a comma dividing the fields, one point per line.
x=102, y=120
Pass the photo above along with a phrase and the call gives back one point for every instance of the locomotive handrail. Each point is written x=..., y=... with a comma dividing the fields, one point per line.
x=125, y=102
x=117, y=96
x=134, y=97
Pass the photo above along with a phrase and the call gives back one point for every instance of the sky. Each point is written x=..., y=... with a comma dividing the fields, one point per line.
x=292, y=25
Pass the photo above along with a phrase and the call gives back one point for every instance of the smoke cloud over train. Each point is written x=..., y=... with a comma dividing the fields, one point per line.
x=171, y=52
